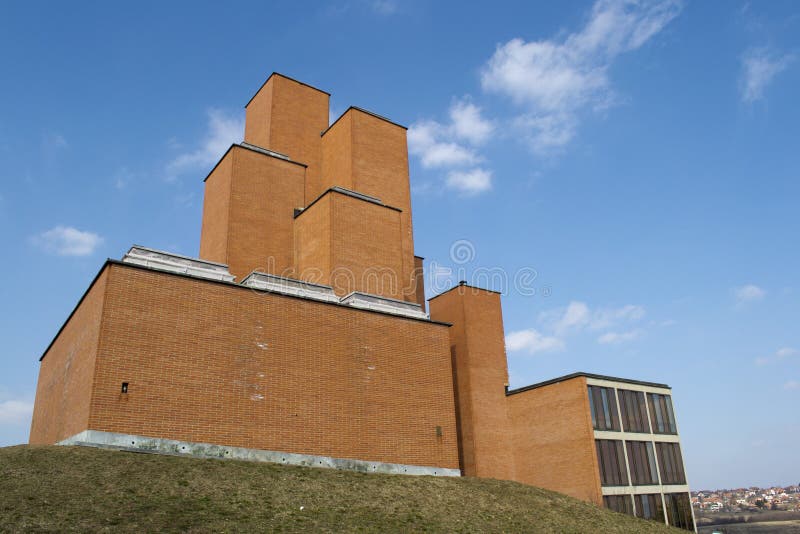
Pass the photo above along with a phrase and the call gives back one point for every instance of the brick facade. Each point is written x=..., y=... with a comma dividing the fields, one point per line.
x=477, y=347
x=296, y=367
x=248, y=211
x=562, y=458
x=216, y=363
x=64, y=389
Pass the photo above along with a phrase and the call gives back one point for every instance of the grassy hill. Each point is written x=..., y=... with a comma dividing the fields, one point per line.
x=87, y=489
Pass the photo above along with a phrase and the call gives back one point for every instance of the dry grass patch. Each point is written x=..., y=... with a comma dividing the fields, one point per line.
x=87, y=489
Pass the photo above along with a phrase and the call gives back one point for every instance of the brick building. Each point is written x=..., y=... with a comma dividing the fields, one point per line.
x=301, y=335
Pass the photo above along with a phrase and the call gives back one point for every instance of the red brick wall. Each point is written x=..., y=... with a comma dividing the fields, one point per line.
x=207, y=362
x=288, y=117
x=216, y=208
x=248, y=211
x=478, y=345
x=354, y=244
x=63, y=392
x=312, y=242
x=370, y=155
x=554, y=441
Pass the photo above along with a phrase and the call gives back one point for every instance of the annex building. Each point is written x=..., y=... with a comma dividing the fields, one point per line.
x=302, y=335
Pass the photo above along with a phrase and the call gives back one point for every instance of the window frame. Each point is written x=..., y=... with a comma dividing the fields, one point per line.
x=641, y=462
x=605, y=399
x=662, y=414
x=633, y=408
x=609, y=452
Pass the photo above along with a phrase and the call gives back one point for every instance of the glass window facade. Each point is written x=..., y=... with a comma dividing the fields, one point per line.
x=619, y=503
x=670, y=463
x=642, y=462
x=661, y=415
x=611, y=458
x=679, y=510
x=603, y=405
x=634, y=411
x=649, y=506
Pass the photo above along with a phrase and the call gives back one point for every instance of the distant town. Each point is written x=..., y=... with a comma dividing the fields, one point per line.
x=748, y=499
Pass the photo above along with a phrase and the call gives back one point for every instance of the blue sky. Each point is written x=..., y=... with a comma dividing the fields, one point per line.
x=641, y=160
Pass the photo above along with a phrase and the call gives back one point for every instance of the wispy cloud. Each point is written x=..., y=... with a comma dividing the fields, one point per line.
x=577, y=316
x=792, y=385
x=615, y=338
x=780, y=354
x=454, y=145
x=15, y=411
x=68, y=241
x=532, y=341
x=223, y=130
x=759, y=67
x=615, y=325
x=384, y=7
x=124, y=177
x=470, y=182
x=554, y=81
x=53, y=141
x=748, y=293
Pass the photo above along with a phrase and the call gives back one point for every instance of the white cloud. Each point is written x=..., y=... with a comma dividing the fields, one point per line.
x=760, y=65
x=577, y=316
x=68, y=241
x=223, y=130
x=468, y=124
x=607, y=317
x=15, y=411
x=615, y=338
x=532, y=341
x=554, y=80
x=453, y=146
x=470, y=182
x=748, y=293
x=434, y=153
x=791, y=385
x=761, y=361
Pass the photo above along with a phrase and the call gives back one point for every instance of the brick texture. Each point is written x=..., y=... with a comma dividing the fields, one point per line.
x=288, y=117
x=66, y=374
x=369, y=154
x=211, y=362
x=248, y=212
x=353, y=244
x=553, y=439
x=478, y=351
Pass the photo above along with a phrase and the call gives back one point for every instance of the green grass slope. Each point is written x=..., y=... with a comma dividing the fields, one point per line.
x=88, y=489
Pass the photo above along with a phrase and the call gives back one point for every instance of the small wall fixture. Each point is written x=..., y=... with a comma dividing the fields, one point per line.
x=438, y=432
x=124, y=387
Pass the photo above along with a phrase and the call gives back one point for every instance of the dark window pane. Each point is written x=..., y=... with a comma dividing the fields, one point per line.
x=661, y=414
x=670, y=463
x=648, y=506
x=679, y=510
x=641, y=459
x=611, y=460
x=603, y=405
x=619, y=503
x=634, y=411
